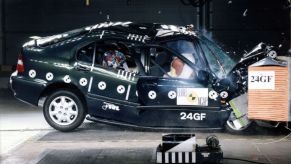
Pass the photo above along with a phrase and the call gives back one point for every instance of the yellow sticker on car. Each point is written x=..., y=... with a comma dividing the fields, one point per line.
x=192, y=96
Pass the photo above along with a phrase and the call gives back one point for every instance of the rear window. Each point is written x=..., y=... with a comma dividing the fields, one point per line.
x=86, y=54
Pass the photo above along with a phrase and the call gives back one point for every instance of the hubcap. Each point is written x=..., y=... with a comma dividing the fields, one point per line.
x=63, y=110
x=233, y=127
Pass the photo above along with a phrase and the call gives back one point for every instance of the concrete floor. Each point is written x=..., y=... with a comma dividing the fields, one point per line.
x=25, y=137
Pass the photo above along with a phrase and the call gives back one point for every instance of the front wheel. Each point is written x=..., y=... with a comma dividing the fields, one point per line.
x=238, y=126
x=64, y=111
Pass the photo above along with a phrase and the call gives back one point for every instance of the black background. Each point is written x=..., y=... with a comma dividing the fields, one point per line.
x=221, y=20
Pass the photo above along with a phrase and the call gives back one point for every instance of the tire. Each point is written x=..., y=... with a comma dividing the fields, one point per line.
x=231, y=128
x=244, y=130
x=64, y=111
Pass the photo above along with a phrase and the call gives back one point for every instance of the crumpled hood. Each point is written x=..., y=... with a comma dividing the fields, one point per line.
x=259, y=52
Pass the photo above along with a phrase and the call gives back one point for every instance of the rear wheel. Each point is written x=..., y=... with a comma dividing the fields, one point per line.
x=64, y=111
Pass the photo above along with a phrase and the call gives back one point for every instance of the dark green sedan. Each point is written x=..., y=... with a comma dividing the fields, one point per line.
x=132, y=74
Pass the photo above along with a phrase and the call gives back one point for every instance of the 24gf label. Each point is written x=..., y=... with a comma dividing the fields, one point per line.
x=261, y=80
x=192, y=116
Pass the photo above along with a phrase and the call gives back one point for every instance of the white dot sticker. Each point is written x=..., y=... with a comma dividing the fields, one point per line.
x=152, y=94
x=67, y=79
x=83, y=82
x=224, y=94
x=102, y=85
x=120, y=89
x=172, y=95
x=49, y=76
x=213, y=95
x=32, y=73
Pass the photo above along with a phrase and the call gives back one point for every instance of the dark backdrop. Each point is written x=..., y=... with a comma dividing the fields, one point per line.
x=237, y=25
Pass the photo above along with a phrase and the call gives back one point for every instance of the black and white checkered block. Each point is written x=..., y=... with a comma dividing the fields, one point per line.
x=177, y=148
x=176, y=157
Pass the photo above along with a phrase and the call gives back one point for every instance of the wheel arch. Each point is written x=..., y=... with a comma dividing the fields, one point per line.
x=62, y=86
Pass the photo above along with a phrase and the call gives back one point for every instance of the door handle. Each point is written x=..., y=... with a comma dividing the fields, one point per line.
x=81, y=67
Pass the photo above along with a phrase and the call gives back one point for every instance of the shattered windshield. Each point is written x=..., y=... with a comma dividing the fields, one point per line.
x=219, y=62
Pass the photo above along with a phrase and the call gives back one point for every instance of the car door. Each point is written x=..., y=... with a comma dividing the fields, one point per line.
x=112, y=88
x=180, y=101
x=162, y=87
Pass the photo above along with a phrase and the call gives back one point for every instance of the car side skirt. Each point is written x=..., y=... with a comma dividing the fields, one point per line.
x=123, y=124
x=157, y=116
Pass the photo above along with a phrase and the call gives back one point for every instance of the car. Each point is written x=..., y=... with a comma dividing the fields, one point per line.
x=142, y=75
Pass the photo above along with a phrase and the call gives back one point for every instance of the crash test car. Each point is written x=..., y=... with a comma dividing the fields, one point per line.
x=143, y=75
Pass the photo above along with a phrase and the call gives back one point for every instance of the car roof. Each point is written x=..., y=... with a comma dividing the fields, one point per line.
x=149, y=31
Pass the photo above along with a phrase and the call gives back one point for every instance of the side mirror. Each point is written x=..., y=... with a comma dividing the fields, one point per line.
x=203, y=76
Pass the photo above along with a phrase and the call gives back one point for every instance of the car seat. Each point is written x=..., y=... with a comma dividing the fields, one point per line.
x=162, y=61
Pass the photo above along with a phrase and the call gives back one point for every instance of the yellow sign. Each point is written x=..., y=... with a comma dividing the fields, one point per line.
x=192, y=97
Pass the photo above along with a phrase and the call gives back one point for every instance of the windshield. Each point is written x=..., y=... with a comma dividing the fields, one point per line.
x=219, y=62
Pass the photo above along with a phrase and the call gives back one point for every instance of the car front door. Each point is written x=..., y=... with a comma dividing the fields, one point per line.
x=179, y=98
x=173, y=79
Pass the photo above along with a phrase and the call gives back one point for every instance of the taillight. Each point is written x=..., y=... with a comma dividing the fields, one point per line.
x=20, y=65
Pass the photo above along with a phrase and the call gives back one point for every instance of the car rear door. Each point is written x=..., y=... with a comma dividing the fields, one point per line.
x=112, y=91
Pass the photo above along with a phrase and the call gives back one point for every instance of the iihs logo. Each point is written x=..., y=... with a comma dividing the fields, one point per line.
x=110, y=106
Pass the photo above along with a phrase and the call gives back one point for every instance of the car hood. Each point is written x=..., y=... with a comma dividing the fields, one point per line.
x=259, y=52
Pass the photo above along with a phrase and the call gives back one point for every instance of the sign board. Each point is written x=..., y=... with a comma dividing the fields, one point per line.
x=261, y=80
x=192, y=96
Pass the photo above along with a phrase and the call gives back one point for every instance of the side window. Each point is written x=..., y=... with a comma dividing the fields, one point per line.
x=164, y=64
x=86, y=54
x=115, y=55
x=186, y=49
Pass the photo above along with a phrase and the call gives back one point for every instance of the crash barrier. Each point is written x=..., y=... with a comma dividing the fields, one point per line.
x=269, y=86
x=183, y=148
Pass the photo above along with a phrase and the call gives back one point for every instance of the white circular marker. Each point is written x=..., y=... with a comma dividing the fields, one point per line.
x=152, y=94
x=272, y=54
x=83, y=82
x=224, y=94
x=213, y=95
x=120, y=89
x=32, y=73
x=172, y=94
x=67, y=79
x=102, y=85
x=49, y=76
